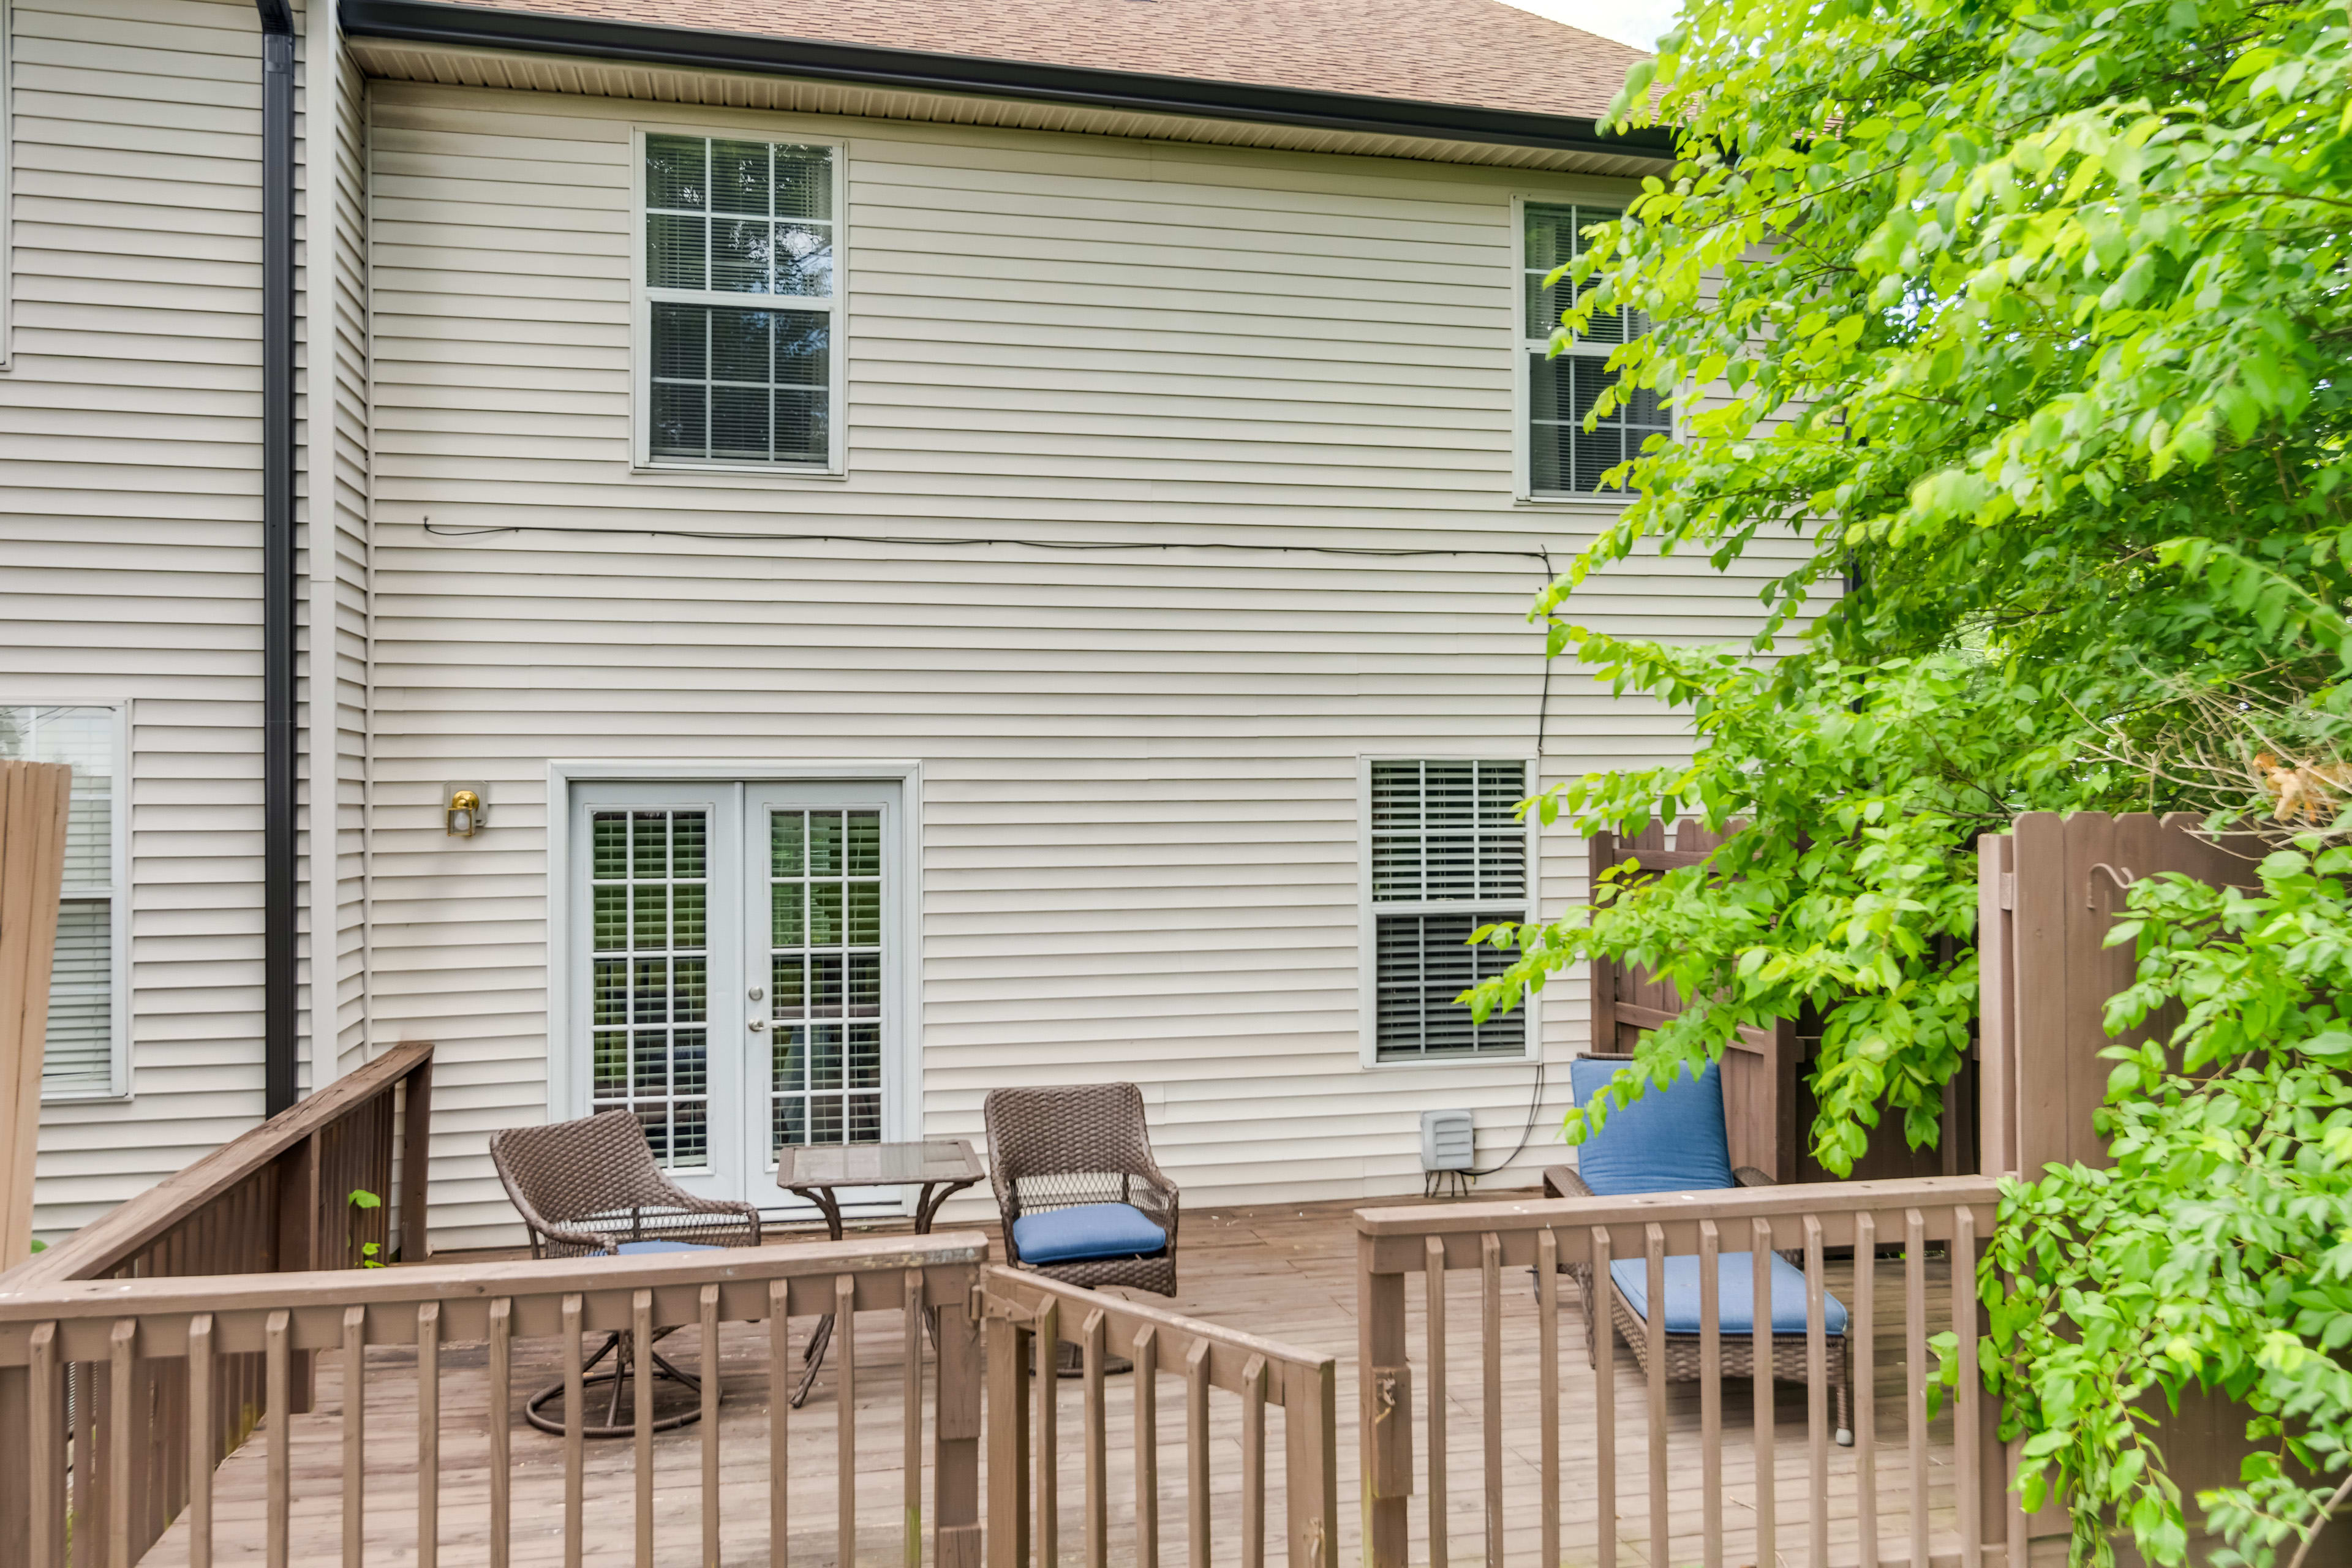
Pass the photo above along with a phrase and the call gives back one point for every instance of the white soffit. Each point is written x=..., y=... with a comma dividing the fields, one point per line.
x=518, y=72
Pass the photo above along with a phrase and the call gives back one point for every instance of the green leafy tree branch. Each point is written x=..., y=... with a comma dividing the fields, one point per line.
x=2015, y=332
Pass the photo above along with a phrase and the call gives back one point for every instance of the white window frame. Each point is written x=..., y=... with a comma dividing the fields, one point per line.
x=116, y=893
x=1368, y=913
x=1522, y=394
x=642, y=301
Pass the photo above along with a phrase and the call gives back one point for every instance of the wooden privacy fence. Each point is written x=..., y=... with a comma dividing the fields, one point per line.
x=275, y=1200
x=32, y=801
x=1900, y=1255
x=1768, y=1098
x=1029, y=1316
x=2049, y=891
x=112, y=1333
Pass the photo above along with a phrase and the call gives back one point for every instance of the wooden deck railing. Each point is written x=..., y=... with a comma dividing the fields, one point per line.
x=1847, y=1509
x=1029, y=1316
x=274, y=1200
x=114, y=1333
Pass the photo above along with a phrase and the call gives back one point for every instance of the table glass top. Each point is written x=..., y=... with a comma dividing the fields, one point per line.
x=878, y=1164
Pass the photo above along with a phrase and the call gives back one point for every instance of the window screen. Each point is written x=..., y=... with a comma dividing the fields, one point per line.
x=1448, y=855
x=741, y=298
x=1563, y=459
x=80, y=1055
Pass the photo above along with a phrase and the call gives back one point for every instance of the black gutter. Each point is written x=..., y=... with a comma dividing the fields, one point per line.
x=437, y=21
x=279, y=972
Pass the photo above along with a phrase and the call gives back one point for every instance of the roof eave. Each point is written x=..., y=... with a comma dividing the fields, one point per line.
x=440, y=21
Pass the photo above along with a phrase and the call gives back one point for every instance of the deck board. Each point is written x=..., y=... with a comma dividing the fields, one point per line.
x=1286, y=1272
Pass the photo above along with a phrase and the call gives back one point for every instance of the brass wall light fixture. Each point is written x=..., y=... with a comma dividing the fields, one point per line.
x=466, y=809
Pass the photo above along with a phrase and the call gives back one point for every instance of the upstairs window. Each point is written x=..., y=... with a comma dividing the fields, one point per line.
x=1446, y=854
x=85, y=1055
x=1562, y=459
x=739, y=313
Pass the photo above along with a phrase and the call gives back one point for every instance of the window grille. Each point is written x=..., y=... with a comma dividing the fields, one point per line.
x=1563, y=459
x=741, y=302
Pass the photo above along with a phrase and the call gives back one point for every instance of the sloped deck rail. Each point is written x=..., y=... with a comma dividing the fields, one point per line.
x=1029, y=1316
x=113, y=1331
x=1911, y=1248
x=276, y=1199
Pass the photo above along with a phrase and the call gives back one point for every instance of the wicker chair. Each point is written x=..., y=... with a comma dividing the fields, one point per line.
x=591, y=1188
x=1062, y=1148
x=1681, y=1351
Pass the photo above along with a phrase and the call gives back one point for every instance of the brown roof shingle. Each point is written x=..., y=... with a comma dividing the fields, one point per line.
x=1478, y=53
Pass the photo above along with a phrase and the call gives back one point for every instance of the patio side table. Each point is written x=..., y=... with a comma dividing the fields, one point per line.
x=817, y=1171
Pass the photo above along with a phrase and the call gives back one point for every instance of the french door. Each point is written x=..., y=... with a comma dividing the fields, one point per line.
x=738, y=970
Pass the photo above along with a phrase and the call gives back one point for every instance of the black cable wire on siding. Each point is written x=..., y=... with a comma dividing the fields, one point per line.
x=1540, y=553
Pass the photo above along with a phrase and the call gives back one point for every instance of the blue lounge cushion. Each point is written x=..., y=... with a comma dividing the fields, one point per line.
x=637, y=1247
x=1735, y=1294
x=1088, y=1233
x=1669, y=1140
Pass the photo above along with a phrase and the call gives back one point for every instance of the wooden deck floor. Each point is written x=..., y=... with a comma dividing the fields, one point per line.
x=1288, y=1273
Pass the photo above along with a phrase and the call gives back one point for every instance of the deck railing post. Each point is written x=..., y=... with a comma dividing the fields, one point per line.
x=1009, y=1350
x=18, y=1436
x=416, y=1150
x=955, y=1432
x=1310, y=1444
x=1384, y=1405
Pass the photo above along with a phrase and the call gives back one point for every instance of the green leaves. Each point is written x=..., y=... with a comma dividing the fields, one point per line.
x=1848, y=900
x=2019, y=336
x=2215, y=1252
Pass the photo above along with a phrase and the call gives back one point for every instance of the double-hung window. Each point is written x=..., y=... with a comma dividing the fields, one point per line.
x=740, y=315
x=1562, y=458
x=1446, y=854
x=85, y=1055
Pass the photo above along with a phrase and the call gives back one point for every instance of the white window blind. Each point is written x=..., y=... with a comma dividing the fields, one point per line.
x=1448, y=854
x=83, y=1054
x=741, y=301
x=1562, y=458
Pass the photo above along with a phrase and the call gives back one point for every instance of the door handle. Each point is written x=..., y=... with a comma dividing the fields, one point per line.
x=759, y=1025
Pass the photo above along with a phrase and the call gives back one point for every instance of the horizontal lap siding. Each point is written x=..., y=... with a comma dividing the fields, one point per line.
x=350, y=491
x=1141, y=767
x=130, y=527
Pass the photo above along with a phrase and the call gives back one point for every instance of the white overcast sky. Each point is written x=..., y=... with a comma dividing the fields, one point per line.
x=1635, y=22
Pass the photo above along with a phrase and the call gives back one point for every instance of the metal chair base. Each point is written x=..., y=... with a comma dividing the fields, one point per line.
x=621, y=1380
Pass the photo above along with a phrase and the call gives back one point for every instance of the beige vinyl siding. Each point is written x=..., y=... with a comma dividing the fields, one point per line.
x=130, y=528
x=1141, y=767
x=349, y=487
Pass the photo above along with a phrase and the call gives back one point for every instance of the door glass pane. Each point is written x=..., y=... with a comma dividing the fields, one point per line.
x=650, y=1002
x=826, y=948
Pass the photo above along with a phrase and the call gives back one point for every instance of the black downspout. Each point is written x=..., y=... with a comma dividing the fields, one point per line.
x=277, y=871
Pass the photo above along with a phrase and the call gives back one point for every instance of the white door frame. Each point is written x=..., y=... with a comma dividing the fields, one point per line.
x=567, y=1084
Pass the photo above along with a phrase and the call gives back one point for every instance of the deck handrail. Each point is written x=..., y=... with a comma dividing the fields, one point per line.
x=1579, y=1238
x=116, y=1237
x=96, y=1348
x=1029, y=1317
x=273, y=1203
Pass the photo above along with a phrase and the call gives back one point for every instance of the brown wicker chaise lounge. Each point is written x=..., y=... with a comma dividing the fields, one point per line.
x=591, y=1188
x=1662, y=1143
x=1082, y=1200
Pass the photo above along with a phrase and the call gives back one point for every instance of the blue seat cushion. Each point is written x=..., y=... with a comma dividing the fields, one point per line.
x=1735, y=1294
x=637, y=1247
x=1669, y=1140
x=1086, y=1233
